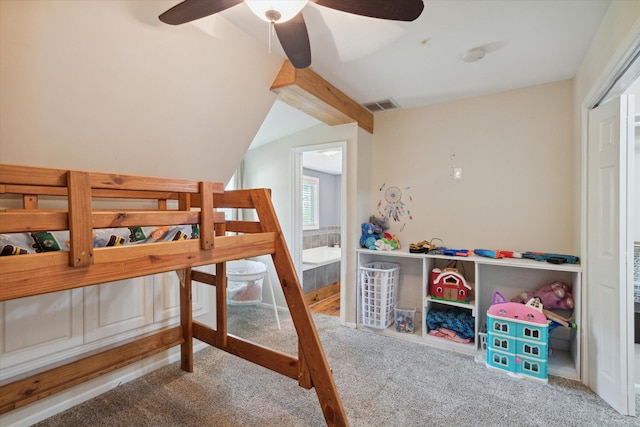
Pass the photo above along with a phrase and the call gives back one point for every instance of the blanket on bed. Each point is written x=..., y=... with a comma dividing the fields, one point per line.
x=49, y=241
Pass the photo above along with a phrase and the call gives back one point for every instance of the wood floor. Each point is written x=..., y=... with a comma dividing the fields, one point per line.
x=330, y=306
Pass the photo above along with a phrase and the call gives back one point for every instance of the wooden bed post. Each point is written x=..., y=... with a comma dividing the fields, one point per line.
x=221, y=294
x=308, y=339
x=80, y=226
x=206, y=215
x=221, y=304
x=186, y=320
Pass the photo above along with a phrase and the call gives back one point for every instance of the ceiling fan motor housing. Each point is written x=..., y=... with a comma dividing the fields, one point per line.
x=273, y=15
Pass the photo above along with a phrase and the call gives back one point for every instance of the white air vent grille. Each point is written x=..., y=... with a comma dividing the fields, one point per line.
x=383, y=105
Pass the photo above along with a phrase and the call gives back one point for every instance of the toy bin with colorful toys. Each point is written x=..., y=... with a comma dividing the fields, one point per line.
x=405, y=319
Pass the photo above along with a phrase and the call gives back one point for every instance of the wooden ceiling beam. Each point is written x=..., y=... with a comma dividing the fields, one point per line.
x=308, y=92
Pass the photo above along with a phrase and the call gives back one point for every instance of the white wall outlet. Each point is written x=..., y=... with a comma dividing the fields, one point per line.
x=457, y=173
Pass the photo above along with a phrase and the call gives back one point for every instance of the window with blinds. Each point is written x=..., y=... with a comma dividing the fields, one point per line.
x=310, y=208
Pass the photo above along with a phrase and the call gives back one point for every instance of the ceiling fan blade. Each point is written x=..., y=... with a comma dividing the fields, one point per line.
x=190, y=10
x=294, y=39
x=397, y=10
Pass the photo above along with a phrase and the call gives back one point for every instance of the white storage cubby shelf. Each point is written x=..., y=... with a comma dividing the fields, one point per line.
x=484, y=276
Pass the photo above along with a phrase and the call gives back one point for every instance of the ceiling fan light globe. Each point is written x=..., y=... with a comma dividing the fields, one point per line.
x=287, y=9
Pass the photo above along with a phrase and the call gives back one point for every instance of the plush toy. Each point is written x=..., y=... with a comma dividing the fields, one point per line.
x=554, y=296
x=387, y=242
x=382, y=244
x=368, y=237
x=380, y=224
x=392, y=240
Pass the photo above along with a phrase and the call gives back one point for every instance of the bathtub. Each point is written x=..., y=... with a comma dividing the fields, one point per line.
x=320, y=268
x=323, y=255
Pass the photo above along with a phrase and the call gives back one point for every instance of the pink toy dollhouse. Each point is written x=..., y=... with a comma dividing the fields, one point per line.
x=517, y=338
x=448, y=285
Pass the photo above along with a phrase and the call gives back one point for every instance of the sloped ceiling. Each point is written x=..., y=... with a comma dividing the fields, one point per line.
x=282, y=120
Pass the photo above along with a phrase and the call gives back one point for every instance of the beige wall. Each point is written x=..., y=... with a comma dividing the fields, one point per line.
x=104, y=85
x=515, y=151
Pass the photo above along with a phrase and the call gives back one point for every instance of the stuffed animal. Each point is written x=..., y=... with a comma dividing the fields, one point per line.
x=387, y=242
x=382, y=245
x=368, y=237
x=380, y=224
x=554, y=296
x=392, y=240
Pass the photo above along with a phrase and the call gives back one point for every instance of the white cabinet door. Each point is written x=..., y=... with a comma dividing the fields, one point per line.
x=41, y=330
x=44, y=324
x=118, y=307
x=167, y=297
x=609, y=304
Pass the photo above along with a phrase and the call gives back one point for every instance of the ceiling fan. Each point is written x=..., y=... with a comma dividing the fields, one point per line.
x=286, y=18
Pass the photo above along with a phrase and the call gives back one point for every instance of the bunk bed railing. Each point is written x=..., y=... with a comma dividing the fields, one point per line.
x=50, y=272
x=55, y=271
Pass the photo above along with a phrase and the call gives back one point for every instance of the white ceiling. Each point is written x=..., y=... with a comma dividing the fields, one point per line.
x=327, y=161
x=528, y=42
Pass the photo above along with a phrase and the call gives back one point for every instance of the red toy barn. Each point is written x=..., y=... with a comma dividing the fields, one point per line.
x=448, y=285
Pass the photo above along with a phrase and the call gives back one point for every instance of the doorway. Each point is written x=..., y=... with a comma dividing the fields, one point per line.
x=319, y=205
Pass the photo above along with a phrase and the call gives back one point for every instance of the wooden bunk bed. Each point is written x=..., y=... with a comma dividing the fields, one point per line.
x=84, y=264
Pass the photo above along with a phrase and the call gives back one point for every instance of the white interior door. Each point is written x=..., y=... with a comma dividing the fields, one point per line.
x=609, y=323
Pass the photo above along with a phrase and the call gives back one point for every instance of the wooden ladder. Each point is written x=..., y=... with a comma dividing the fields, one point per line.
x=310, y=368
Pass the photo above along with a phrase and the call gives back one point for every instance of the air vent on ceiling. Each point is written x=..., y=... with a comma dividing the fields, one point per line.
x=384, y=105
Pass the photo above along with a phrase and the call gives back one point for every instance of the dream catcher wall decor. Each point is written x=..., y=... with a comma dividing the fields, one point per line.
x=394, y=206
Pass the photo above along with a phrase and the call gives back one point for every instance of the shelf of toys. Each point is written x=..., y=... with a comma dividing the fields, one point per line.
x=440, y=284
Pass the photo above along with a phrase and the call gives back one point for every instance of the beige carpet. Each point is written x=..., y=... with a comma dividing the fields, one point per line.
x=382, y=382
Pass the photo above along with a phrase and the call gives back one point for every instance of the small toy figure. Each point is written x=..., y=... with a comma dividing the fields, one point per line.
x=422, y=247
